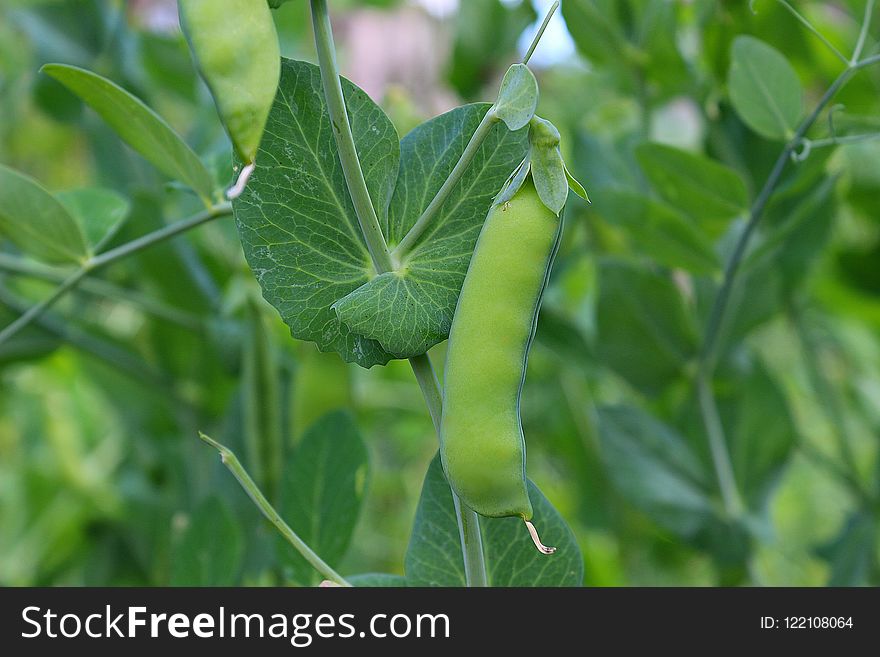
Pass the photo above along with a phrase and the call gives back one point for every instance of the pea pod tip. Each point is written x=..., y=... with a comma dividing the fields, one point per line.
x=544, y=549
x=241, y=182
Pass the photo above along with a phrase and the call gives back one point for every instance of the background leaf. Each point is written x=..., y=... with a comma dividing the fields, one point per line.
x=322, y=492
x=707, y=191
x=36, y=222
x=657, y=230
x=296, y=221
x=210, y=550
x=764, y=88
x=654, y=468
x=644, y=331
x=434, y=554
x=143, y=129
x=99, y=212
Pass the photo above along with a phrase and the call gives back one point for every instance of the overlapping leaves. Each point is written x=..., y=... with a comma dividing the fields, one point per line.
x=300, y=232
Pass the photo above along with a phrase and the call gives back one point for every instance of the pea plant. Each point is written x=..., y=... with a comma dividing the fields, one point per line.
x=470, y=238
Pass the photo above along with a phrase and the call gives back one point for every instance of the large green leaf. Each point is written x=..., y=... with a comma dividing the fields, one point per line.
x=644, y=332
x=143, y=129
x=210, y=551
x=434, y=554
x=100, y=212
x=37, y=222
x=657, y=230
x=322, y=492
x=764, y=88
x=301, y=235
x=655, y=469
x=297, y=224
x=410, y=310
x=711, y=193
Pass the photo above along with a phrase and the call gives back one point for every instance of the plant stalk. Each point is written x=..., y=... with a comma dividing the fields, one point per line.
x=351, y=165
x=104, y=259
x=412, y=236
x=234, y=465
x=714, y=429
x=474, y=560
x=468, y=520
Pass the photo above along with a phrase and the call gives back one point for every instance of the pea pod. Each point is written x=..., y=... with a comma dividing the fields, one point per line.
x=481, y=445
x=235, y=47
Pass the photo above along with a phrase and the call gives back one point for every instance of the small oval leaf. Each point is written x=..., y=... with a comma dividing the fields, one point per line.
x=138, y=125
x=518, y=97
x=764, y=88
x=37, y=222
x=99, y=212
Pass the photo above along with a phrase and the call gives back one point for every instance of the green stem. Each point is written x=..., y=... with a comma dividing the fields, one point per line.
x=468, y=520
x=351, y=166
x=408, y=242
x=104, y=289
x=234, y=465
x=38, y=309
x=755, y=215
x=382, y=261
x=96, y=262
x=540, y=32
x=730, y=496
x=807, y=24
x=160, y=235
x=472, y=544
x=714, y=428
x=122, y=360
x=867, y=61
x=863, y=33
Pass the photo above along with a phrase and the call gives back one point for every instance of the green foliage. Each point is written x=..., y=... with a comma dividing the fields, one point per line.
x=764, y=88
x=37, y=222
x=434, y=558
x=210, y=550
x=676, y=116
x=143, y=129
x=323, y=487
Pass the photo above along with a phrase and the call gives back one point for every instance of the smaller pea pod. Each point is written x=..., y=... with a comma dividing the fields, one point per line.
x=235, y=47
x=482, y=446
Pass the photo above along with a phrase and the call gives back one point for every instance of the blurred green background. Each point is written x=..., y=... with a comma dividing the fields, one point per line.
x=102, y=478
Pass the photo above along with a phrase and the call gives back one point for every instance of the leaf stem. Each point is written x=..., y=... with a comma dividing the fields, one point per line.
x=105, y=289
x=807, y=24
x=103, y=350
x=867, y=61
x=351, y=165
x=863, y=33
x=540, y=32
x=730, y=496
x=108, y=257
x=406, y=244
x=421, y=365
x=468, y=520
x=234, y=465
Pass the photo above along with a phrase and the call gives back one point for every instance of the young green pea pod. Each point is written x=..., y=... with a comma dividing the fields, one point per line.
x=482, y=446
x=235, y=47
